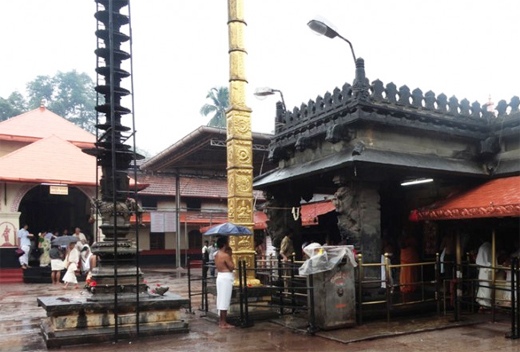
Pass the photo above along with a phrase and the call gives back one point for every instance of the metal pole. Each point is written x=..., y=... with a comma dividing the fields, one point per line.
x=241, y=293
x=189, y=282
x=293, y=298
x=360, y=288
x=437, y=282
x=312, y=323
x=457, y=278
x=280, y=283
x=517, y=293
x=246, y=298
x=389, y=286
x=186, y=243
x=514, y=311
x=177, y=218
x=493, y=274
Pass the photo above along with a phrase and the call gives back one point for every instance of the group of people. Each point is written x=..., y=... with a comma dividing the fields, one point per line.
x=74, y=256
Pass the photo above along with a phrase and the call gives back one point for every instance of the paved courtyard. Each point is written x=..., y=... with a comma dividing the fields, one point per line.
x=20, y=318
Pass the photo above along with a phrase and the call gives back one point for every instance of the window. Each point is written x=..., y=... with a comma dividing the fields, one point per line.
x=195, y=239
x=193, y=203
x=149, y=202
x=157, y=240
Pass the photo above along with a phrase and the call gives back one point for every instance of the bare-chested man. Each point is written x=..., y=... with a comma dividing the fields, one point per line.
x=225, y=278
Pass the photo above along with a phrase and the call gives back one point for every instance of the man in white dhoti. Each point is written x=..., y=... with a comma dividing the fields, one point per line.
x=71, y=263
x=483, y=260
x=225, y=278
x=24, y=243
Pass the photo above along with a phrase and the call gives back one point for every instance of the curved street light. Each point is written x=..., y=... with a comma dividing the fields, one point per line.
x=265, y=91
x=323, y=29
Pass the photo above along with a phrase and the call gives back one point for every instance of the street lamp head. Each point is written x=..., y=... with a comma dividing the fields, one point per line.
x=263, y=92
x=322, y=29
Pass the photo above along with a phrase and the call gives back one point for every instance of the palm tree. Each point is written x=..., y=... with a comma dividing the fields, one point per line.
x=219, y=103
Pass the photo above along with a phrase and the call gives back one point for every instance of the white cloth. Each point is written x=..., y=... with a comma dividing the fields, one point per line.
x=72, y=261
x=383, y=271
x=70, y=275
x=85, y=262
x=82, y=240
x=441, y=258
x=212, y=252
x=23, y=237
x=324, y=258
x=24, y=258
x=484, y=274
x=224, y=290
x=57, y=265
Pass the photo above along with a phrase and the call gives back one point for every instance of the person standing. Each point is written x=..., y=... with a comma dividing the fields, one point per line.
x=212, y=250
x=56, y=264
x=205, y=259
x=483, y=261
x=82, y=239
x=286, y=251
x=44, y=245
x=225, y=278
x=287, y=247
x=71, y=263
x=409, y=255
x=88, y=261
x=24, y=244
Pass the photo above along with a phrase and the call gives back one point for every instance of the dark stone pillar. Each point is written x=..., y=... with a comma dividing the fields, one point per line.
x=359, y=220
x=279, y=206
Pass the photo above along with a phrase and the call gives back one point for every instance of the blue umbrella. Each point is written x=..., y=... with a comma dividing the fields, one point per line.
x=227, y=229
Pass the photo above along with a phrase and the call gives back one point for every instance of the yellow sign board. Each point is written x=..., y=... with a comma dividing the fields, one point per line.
x=59, y=190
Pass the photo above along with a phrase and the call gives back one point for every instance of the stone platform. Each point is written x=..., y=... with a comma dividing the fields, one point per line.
x=72, y=321
x=259, y=299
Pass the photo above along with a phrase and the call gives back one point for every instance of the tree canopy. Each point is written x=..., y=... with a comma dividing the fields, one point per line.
x=70, y=95
x=219, y=98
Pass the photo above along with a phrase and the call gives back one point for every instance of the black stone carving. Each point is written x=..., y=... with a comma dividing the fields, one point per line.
x=323, y=117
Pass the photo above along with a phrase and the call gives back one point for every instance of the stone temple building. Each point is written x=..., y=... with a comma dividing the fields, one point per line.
x=359, y=144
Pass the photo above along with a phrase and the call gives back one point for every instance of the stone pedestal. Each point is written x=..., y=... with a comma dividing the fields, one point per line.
x=72, y=321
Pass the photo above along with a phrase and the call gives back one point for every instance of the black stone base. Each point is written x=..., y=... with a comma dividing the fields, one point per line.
x=73, y=321
x=57, y=339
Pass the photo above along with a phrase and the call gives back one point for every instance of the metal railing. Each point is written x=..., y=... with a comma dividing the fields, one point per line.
x=289, y=293
x=429, y=290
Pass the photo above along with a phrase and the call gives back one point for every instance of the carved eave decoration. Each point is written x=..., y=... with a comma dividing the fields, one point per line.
x=334, y=116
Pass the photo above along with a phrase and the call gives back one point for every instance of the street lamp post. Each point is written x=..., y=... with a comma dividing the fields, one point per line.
x=323, y=29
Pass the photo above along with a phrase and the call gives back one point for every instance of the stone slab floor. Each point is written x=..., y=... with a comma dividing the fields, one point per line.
x=20, y=318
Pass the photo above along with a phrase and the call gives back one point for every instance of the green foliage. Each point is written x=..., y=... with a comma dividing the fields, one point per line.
x=12, y=106
x=219, y=103
x=70, y=95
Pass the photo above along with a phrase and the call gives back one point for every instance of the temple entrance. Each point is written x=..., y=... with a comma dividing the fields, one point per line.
x=43, y=211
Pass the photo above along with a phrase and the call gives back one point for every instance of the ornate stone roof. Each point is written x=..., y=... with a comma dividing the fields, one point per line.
x=327, y=117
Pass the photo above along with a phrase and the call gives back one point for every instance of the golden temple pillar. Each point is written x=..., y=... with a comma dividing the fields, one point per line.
x=239, y=143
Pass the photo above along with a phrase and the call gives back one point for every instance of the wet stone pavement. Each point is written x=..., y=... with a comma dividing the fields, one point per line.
x=20, y=319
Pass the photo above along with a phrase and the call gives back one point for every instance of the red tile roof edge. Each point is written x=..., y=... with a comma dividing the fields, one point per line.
x=501, y=197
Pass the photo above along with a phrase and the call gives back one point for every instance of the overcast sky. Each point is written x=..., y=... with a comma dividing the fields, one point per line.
x=470, y=49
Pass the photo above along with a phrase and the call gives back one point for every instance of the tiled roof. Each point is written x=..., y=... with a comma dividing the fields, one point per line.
x=163, y=185
x=495, y=198
x=49, y=160
x=190, y=187
x=311, y=211
x=42, y=123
